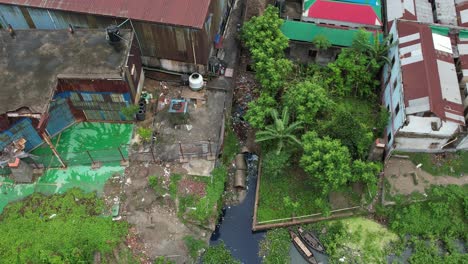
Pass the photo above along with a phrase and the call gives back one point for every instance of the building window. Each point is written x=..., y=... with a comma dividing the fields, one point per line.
x=393, y=61
x=97, y=98
x=312, y=53
x=92, y=115
x=395, y=83
x=117, y=98
x=87, y=97
x=75, y=97
x=389, y=137
x=397, y=109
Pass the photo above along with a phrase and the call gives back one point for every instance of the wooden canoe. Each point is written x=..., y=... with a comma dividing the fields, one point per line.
x=301, y=247
x=311, y=240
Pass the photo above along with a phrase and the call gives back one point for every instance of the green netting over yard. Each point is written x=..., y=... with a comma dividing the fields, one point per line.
x=100, y=140
x=59, y=181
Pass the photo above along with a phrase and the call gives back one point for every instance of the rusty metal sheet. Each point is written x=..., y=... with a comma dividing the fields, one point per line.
x=188, y=13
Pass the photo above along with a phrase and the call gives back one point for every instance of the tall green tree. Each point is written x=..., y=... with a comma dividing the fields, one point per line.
x=281, y=132
x=263, y=36
x=350, y=131
x=308, y=101
x=321, y=42
x=373, y=47
x=259, y=111
x=327, y=161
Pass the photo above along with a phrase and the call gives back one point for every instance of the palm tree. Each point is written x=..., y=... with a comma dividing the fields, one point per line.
x=375, y=49
x=280, y=131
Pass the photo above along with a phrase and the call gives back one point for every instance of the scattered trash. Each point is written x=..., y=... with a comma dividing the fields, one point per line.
x=52, y=216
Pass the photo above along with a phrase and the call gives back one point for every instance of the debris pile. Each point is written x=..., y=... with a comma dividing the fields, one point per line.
x=245, y=92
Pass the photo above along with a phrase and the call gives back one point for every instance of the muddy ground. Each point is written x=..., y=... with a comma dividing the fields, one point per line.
x=157, y=229
x=400, y=173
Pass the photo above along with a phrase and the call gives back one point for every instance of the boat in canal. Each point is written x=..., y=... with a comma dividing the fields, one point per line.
x=301, y=247
x=311, y=240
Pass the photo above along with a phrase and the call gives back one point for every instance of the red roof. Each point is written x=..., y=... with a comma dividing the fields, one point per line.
x=346, y=12
x=190, y=13
x=422, y=78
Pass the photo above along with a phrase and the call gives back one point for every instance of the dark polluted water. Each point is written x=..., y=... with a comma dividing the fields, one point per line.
x=234, y=227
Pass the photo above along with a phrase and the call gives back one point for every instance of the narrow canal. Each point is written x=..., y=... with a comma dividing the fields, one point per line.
x=235, y=225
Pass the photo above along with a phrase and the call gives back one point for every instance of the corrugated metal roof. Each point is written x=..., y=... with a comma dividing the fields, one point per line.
x=365, y=14
x=424, y=78
x=445, y=11
x=190, y=13
x=416, y=10
x=303, y=31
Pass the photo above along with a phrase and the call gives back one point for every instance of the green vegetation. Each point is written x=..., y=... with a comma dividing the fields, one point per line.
x=444, y=214
x=303, y=196
x=130, y=111
x=356, y=239
x=67, y=228
x=163, y=260
x=145, y=134
x=231, y=145
x=196, y=209
x=442, y=217
x=275, y=247
x=218, y=254
x=321, y=42
x=194, y=246
x=451, y=164
x=155, y=183
x=262, y=35
x=334, y=110
x=281, y=131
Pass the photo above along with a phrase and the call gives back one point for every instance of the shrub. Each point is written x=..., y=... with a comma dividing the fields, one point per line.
x=218, y=254
x=145, y=134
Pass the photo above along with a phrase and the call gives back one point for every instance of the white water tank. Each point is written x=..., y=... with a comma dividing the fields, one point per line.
x=196, y=81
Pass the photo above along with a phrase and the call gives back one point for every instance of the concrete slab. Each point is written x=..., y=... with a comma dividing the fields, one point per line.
x=199, y=167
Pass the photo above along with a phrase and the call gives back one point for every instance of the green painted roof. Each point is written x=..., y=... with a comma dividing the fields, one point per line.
x=440, y=30
x=303, y=31
x=463, y=34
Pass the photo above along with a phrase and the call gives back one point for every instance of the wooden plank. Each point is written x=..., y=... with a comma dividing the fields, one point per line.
x=302, y=246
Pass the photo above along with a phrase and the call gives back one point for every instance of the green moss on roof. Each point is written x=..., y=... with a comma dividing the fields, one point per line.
x=303, y=31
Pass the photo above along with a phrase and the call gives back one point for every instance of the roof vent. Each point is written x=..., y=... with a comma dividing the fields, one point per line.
x=113, y=34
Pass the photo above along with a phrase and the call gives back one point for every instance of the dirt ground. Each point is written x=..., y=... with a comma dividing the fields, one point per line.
x=399, y=173
x=158, y=229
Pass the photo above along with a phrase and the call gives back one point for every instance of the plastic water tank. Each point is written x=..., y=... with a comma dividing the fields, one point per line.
x=196, y=81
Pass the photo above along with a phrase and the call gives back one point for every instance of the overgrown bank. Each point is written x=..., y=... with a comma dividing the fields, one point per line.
x=67, y=228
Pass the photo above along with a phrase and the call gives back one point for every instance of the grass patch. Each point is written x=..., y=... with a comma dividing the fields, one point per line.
x=194, y=246
x=67, y=228
x=175, y=178
x=451, y=164
x=231, y=145
x=156, y=184
x=277, y=193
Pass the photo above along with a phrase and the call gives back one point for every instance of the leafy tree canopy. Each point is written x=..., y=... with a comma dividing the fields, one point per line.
x=259, y=111
x=330, y=164
x=308, y=101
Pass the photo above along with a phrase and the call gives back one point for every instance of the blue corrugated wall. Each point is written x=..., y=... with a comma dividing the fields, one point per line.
x=60, y=117
x=21, y=129
x=12, y=15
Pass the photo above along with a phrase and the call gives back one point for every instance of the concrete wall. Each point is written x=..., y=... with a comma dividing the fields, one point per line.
x=421, y=143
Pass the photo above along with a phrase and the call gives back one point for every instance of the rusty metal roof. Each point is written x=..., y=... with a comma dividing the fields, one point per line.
x=427, y=71
x=190, y=13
